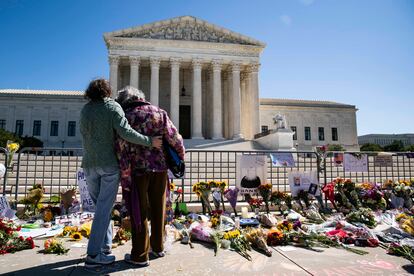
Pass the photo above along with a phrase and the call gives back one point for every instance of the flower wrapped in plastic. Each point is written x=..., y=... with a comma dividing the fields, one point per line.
x=54, y=246
x=203, y=190
x=231, y=196
x=257, y=238
x=265, y=191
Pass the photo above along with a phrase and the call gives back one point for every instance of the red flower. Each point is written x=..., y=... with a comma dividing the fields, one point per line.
x=30, y=242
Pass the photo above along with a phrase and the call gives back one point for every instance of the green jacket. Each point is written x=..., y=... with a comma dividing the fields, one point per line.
x=100, y=121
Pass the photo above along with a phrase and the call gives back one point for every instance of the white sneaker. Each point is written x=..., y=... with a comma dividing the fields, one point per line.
x=98, y=260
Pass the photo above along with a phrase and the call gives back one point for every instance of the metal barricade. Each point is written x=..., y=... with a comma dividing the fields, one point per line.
x=402, y=167
x=206, y=165
x=4, y=157
x=54, y=168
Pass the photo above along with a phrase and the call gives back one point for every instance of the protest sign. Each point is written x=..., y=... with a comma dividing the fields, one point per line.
x=87, y=203
x=383, y=160
x=5, y=211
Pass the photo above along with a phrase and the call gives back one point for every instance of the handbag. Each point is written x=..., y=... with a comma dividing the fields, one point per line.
x=175, y=164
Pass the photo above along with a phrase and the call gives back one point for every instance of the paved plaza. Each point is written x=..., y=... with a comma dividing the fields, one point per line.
x=182, y=260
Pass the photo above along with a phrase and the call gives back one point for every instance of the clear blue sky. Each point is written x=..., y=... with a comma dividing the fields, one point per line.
x=355, y=52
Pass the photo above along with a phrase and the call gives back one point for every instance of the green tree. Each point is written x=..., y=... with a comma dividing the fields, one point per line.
x=32, y=142
x=397, y=145
x=6, y=135
x=371, y=147
x=336, y=147
x=409, y=148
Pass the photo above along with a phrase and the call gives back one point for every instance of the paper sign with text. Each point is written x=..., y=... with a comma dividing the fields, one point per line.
x=5, y=210
x=355, y=162
x=251, y=171
x=86, y=200
x=282, y=159
x=383, y=160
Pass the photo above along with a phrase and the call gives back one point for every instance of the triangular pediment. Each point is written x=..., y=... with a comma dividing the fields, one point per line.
x=187, y=28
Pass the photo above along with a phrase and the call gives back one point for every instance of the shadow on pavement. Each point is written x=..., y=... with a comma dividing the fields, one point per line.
x=409, y=268
x=59, y=268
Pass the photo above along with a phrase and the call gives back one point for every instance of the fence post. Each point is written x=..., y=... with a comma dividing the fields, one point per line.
x=17, y=177
x=6, y=159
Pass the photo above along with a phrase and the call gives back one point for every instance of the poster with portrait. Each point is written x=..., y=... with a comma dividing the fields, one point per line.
x=338, y=159
x=251, y=171
x=87, y=203
x=282, y=159
x=355, y=162
x=304, y=180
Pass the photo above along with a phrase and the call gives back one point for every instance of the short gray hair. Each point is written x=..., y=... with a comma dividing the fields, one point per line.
x=129, y=94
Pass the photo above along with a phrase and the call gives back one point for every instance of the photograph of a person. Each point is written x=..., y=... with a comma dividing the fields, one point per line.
x=250, y=179
x=296, y=180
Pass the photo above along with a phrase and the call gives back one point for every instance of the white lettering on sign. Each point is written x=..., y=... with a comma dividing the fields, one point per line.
x=86, y=200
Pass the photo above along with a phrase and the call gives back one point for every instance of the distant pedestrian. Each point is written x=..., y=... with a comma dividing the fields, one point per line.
x=100, y=121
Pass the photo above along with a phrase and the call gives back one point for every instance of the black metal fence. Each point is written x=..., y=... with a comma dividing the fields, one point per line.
x=55, y=169
x=4, y=157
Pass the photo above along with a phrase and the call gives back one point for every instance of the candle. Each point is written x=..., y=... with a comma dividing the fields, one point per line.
x=244, y=212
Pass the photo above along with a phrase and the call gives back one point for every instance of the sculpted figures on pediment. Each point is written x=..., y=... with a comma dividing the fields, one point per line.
x=186, y=31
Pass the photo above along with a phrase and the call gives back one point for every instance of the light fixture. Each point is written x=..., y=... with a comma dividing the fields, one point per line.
x=183, y=88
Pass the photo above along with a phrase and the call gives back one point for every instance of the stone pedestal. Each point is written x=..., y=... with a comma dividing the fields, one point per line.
x=280, y=139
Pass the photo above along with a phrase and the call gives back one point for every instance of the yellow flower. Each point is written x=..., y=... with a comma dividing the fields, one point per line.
x=13, y=147
x=172, y=186
x=76, y=236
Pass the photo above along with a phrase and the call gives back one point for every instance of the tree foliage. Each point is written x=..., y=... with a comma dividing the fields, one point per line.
x=371, y=147
x=396, y=146
x=6, y=136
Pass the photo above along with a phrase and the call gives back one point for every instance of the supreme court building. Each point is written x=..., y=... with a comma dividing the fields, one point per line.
x=206, y=78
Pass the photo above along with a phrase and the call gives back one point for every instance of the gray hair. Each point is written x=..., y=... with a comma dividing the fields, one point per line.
x=129, y=94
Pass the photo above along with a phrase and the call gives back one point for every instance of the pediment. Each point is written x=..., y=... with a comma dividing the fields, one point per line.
x=187, y=28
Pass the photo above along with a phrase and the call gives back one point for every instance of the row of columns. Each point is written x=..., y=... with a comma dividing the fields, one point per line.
x=233, y=98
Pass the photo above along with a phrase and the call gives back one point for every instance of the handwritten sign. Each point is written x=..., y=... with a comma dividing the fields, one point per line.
x=304, y=180
x=251, y=171
x=86, y=200
x=5, y=211
x=282, y=159
x=355, y=163
x=383, y=160
x=338, y=159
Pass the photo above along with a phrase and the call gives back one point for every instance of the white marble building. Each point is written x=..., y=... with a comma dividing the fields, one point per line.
x=206, y=77
x=315, y=123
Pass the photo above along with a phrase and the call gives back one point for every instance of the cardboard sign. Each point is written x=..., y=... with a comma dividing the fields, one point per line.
x=86, y=200
x=251, y=171
x=383, y=160
x=282, y=159
x=355, y=163
x=5, y=211
x=304, y=180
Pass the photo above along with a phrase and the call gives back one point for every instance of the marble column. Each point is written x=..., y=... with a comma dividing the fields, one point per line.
x=248, y=107
x=217, y=101
x=243, y=110
x=255, y=103
x=235, y=69
x=175, y=92
x=134, y=75
x=196, y=123
x=225, y=108
x=155, y=77
x=230, y=106
x=113, y=74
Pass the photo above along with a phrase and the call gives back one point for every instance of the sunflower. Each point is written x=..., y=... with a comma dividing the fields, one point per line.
x=172, y=186
x=76, y=236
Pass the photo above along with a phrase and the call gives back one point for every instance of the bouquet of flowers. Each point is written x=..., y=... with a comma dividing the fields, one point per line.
x=276, y=237
x=340, y=196
x=54, y=246
x=403, y=189
x=12, y=148
x=372, y=197
x=203, y=190
x=10, y=241
x=257, y=238
x=121, y=236
x=303, y=196
x=255, y=203
x=34, y=197
x=363, y=215
x=285, y=226
x=265, y=191
x=239, y=243
x=405, y=251
x=231, y=196
x=175, y=195
x=218, y=188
